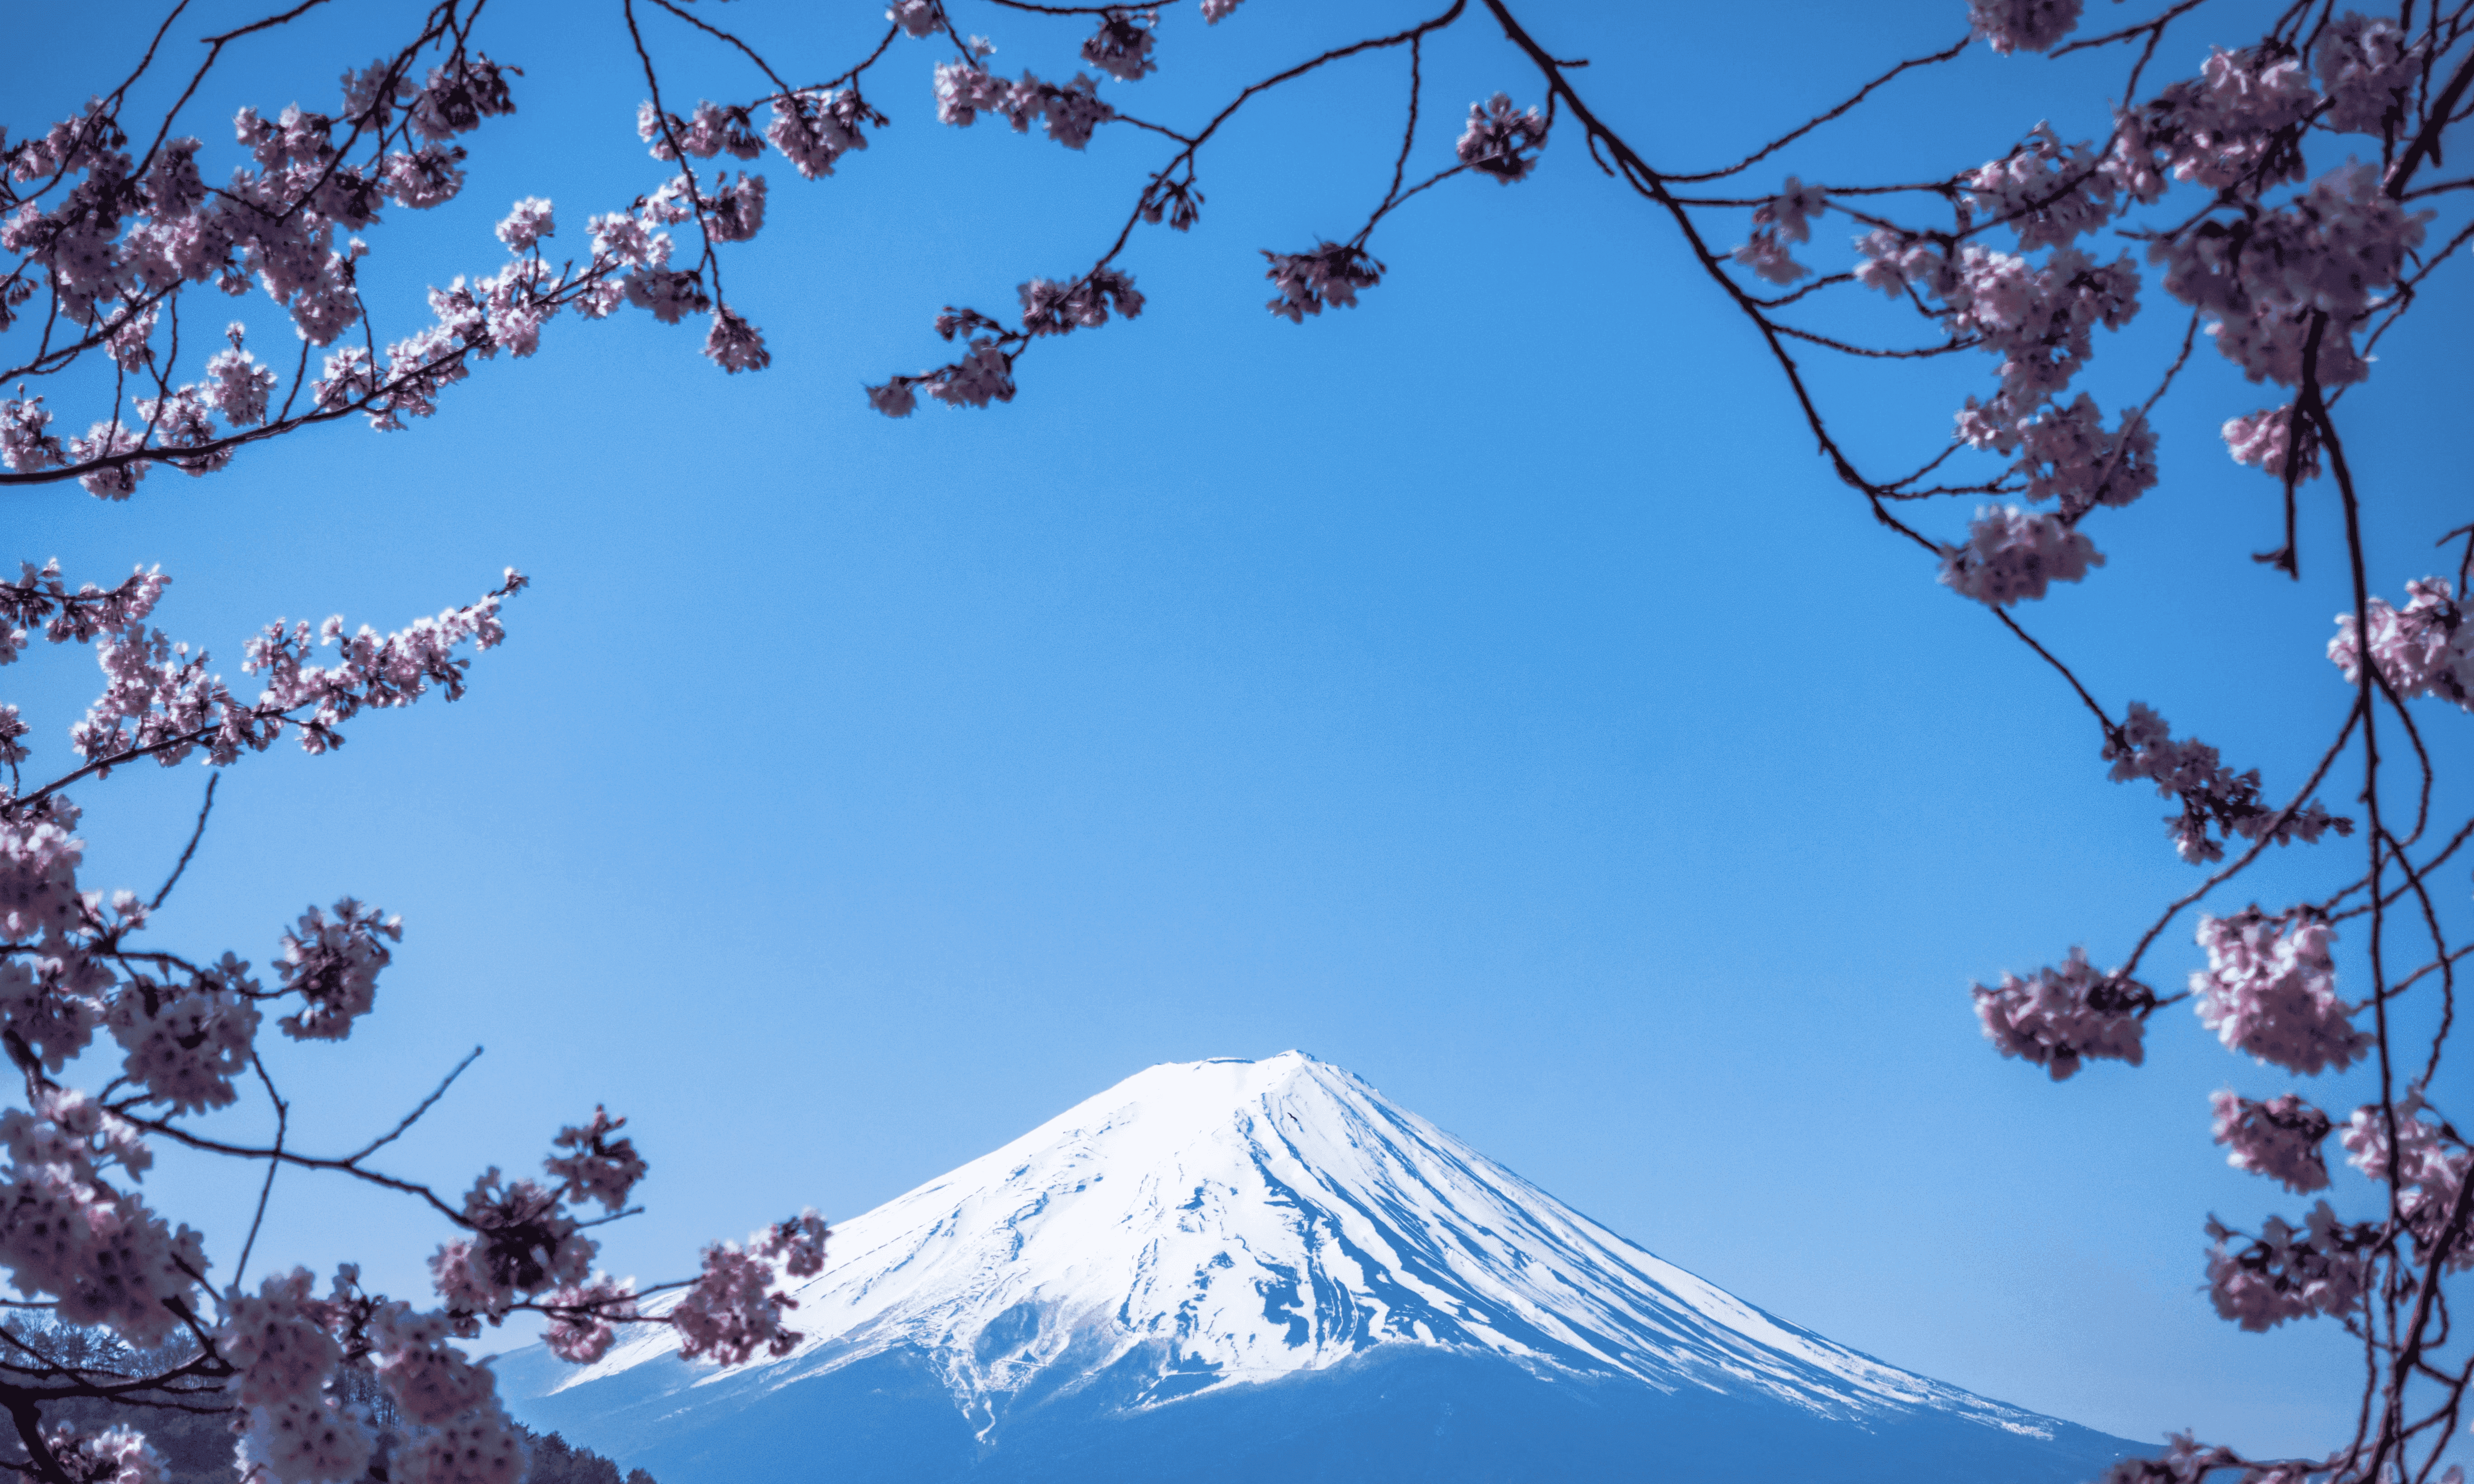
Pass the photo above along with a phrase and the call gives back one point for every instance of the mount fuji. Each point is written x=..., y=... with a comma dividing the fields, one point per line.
x=1231, y=1270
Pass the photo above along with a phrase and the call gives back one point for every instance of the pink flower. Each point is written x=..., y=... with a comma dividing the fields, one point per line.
x=333, y=964
x=600, y=1168
x=1328, y=277
x=2264, y=438
x=917, y=17
x=278, y=1341
x=2423, y=648
x=2058, y=1018
x=2211, y=794
x=1500, y=140
x=528, y=223
x=2430, y=1174
x=2048, y=192
x=581, y=1316
x=734, y=344
x=2011, y=554
x=730, y=1311
x=2288, y=1271
x=117, y=1456
x=798, y=1243
x=1121, y=46
x=2023, y=25
x=2269, y=989
x=2279, y=1139
x=2368, y=69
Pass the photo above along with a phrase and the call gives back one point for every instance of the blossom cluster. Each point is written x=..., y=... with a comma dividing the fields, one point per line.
x=2023, y=25
x=2425, y=647
x=2058, y=1018
x=1071, y=110
x=162, y=701
x=116, y=240
x=2279, y=1139
x=2270, y=990
x=2428, y=1168
x=2288, y=1271
x=1329, y=277
x=1778, y=222
x=1502, y=139
x=2211, y=794
x=70, y=1233
x=2011, y=554
x=732, y=1310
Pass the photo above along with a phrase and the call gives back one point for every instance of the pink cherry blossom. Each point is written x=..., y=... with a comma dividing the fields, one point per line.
x=2023, y=25
x=582, y=1315
x=2425, y=647
x=278, y=1341
x=732, y=1310
x=115, y=1456
x=2264, y=438
x=2429, y=1173
x=2011, y=554
x=2288, y=1271
x=2279, y=1139
x=1501, y=140
x=1328, y=277
x=2045, y=191
x=2367, y=68
x=599, y=1167
x=2211, y=794
x=1121, y=46
x=2058, y=1018
x=528, y=223
x=917, y=17
x=333, y=964
x=2269, y=989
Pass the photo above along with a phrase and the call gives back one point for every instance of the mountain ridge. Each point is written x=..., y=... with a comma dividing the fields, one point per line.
x=1205, y=1234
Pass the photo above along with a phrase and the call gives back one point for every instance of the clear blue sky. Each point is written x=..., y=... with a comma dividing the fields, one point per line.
x=1484, y=689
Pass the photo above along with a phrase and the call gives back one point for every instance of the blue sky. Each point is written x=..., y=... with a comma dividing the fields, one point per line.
x=1484, y=689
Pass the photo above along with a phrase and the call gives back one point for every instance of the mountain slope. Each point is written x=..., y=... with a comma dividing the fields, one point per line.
x=1219, y=1261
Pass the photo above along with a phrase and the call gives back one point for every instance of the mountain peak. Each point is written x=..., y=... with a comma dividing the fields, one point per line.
x=1222, y=1222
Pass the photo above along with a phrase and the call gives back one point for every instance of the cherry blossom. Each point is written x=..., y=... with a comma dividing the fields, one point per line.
x=2368, y=67
x=2057, y=1017
x=115, y=1456
x=2023, y=25
x=2288, y=1271
x=2279, y=1139
x=2211, y=794
x=1328, y=277
x=1503, y=140
x=917, y=17
x=2429, y=1175
x=2045, y=191
x=2067, y=454
x=1121, y=46
x=528, y=223
x=582, y=1316
x=732, y=1310
x=2269, y=989
x=277, y=1339
x=2423, y=648
x=600, y=1168
x=2011, y=554
x=2264, y=438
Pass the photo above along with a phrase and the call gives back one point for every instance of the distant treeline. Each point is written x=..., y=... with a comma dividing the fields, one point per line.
x=196, y=1439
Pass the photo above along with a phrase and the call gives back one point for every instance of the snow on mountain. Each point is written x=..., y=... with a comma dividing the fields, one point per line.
x=1214, y=1224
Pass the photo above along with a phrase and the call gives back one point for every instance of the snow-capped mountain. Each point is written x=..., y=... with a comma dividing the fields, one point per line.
x=1210, y=1245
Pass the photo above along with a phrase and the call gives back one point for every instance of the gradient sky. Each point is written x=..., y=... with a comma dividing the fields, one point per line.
x=1484, y=689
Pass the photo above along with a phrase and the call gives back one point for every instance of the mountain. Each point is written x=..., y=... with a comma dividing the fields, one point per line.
x=1231, y=1270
